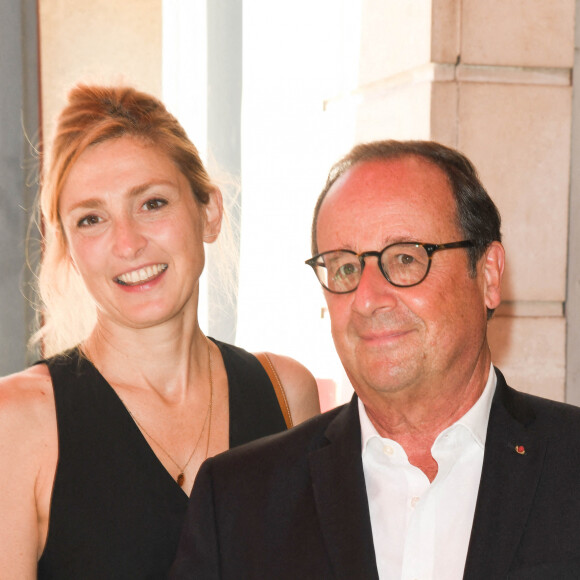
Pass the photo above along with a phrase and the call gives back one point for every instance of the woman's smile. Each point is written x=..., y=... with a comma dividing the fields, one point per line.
x=141, y=275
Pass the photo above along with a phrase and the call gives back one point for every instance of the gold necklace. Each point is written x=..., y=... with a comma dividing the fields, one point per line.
x=181, y=476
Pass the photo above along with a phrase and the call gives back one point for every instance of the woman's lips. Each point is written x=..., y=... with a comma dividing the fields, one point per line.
x=141, y=275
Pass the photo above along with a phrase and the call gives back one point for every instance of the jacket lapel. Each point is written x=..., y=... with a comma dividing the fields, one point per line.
x=508, y=483
x=340, y=496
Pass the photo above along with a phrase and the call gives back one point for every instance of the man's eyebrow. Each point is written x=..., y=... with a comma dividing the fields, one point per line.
x=389, y=240
x=400, y=240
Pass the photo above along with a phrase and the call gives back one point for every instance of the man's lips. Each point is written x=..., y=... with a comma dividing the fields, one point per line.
x=383, y=336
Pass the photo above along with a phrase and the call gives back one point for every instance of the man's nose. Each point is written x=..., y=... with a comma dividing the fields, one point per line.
x=374, y=291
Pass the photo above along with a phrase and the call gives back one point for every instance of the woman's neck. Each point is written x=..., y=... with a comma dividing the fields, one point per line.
x=167, y=358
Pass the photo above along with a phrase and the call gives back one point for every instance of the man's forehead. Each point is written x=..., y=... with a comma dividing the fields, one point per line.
x=401, y=199
x=381, y=179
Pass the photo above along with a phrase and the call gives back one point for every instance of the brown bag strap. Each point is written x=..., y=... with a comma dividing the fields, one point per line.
x=278, y=387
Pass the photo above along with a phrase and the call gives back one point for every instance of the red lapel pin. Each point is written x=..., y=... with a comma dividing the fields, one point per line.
x=520, y=449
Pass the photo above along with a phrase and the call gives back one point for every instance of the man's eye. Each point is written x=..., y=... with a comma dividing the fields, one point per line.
x=87, y=221
x=405, y=259
x=346, y=270
x=154, y=204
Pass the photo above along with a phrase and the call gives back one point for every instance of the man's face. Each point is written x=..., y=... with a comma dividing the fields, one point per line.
x=394, y=339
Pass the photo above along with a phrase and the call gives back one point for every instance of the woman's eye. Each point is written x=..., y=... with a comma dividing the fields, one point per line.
x=154, y=204
x=87, y=221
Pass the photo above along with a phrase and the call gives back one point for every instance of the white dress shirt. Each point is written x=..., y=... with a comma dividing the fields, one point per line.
x=421, y=530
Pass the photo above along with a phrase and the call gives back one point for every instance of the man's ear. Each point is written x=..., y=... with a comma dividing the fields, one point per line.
x=214, y=210
x=493, y=265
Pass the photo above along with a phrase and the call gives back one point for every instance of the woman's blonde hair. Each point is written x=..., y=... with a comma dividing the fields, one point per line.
x=95, y=114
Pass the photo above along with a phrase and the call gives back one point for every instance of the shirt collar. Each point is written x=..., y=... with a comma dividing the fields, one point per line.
x=475, y=420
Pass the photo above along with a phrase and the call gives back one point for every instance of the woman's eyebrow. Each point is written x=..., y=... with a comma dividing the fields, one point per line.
x=96, y=202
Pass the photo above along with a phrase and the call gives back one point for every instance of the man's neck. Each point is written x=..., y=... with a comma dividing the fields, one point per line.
x=414, y=419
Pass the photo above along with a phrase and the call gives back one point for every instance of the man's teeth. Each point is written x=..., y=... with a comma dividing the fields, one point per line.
x=141, y=275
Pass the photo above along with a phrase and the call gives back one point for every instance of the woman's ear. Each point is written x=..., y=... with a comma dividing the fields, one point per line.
x=214, y=210
x=493, y=266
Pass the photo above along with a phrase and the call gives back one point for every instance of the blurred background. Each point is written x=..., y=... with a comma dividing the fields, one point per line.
x=272, y=93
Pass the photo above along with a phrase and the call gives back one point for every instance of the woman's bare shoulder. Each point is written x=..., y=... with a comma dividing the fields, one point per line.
x=299, y=385
x=27, y=381
x=26, y=397
x=28, y=457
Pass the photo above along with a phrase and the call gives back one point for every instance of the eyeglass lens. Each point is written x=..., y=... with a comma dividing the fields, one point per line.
x=403, y=264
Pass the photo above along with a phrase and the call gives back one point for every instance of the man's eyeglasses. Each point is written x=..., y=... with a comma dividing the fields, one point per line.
x=404, y=264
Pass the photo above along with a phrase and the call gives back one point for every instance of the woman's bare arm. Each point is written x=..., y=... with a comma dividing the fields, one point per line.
x=299, y=386
x=28, y=455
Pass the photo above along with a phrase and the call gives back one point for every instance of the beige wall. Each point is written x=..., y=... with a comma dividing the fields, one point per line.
x=493, y=79
x=101, y=41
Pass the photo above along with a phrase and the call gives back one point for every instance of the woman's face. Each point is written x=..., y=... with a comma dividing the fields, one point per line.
x=134, y=232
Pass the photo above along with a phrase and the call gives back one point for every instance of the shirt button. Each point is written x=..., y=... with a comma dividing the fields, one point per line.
x=414, y=501
x=388, y=450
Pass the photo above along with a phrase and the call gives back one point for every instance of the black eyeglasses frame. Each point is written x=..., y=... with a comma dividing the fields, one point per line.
x=430, y=249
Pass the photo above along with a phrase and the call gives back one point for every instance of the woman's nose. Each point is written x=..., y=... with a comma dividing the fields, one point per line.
x=128, y=239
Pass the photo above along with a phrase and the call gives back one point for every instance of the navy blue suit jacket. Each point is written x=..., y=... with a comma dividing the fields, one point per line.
x=294, y=506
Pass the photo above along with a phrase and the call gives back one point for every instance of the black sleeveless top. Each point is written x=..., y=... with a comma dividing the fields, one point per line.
x=116, y=513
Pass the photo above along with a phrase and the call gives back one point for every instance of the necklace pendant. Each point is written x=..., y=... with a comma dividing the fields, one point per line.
x=180, y=479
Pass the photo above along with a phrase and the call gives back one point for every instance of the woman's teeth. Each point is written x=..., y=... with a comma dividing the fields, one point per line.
x=141, y=275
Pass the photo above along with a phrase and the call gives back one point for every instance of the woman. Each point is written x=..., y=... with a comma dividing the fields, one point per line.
x=99, y=445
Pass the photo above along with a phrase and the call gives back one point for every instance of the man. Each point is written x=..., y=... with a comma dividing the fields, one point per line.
x=436, y=469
